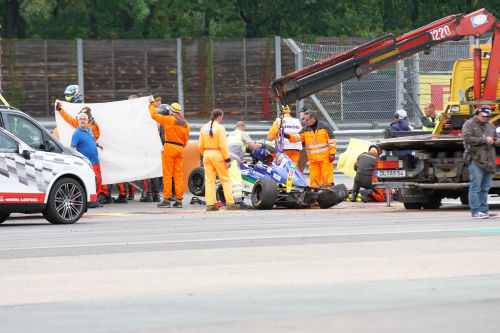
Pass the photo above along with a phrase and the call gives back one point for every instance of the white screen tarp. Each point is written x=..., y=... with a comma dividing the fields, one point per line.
x=132, y=146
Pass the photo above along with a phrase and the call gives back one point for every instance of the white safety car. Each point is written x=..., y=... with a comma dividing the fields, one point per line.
x=60, y=186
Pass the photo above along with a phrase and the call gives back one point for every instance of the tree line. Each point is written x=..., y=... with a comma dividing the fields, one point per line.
x=305, y=19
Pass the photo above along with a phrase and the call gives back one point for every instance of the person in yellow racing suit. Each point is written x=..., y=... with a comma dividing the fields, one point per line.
x=213, y=147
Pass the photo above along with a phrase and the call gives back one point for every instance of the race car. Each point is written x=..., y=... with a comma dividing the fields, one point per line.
x=271, y=179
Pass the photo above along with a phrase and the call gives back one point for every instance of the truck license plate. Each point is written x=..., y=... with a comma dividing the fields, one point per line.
x=390, y=173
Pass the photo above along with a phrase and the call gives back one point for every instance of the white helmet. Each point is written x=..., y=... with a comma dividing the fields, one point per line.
x=401, y=114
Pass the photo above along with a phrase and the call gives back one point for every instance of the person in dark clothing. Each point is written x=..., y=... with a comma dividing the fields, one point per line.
x=480, y=138
x=400, y=123
x=364, y=166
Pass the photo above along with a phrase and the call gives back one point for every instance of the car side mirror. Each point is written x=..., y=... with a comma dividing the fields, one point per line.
x=26, y=154
x=50, y=146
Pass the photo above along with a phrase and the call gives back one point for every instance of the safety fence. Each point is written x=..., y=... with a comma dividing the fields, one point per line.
x=370, y=102
x=233, y=75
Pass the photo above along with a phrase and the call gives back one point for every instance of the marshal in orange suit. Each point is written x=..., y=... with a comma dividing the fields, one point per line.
x=176, y=138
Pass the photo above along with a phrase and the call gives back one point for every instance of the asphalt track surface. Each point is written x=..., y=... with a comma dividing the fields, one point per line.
x=352, y=268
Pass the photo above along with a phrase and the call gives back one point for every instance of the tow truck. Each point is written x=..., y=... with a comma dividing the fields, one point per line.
x=436, y=168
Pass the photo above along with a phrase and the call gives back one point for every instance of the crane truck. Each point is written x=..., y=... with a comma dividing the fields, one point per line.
x=436, y=168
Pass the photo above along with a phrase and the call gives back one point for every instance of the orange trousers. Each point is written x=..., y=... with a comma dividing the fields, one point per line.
x=97, y=170
x=214, y=164
x=293, y=154
x=121, y=189
x=320, y=173
x=172, y=159
x=377, y=195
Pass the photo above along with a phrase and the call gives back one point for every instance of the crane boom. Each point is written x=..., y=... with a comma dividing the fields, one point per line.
x=388, y=49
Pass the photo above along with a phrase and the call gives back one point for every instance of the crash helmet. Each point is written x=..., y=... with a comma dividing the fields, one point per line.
x=485, y=110
x=72, y=94
x=400, y=114
x=87, y=111
x=163, y=109
x=259, y=154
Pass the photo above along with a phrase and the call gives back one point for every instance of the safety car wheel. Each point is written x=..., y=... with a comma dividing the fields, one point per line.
x=219, y=194
x=4, y=217
x=412, y=205
x=67, y=202
x=264, y=193
x=196, y=182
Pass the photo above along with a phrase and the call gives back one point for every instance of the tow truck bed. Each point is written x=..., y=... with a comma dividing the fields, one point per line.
x=422, y=142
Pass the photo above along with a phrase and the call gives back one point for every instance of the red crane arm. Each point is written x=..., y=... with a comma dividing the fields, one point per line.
x=383, y=51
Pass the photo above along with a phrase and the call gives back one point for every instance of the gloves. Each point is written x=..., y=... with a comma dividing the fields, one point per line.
x=286, y=135
x=58, y=106
x=331, y=158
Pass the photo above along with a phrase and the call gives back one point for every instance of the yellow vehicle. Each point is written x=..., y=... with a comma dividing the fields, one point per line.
x=461, y=105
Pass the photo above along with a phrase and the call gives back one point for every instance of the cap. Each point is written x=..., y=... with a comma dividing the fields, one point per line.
x=485, y=110
x=175, y=108
x=156, y=98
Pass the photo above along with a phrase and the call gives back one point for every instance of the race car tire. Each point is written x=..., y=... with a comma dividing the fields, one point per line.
x=336, y=195
x=67, y=202
x=264, y=193
x=196, y=182
x=219, y=194
x=4, y=217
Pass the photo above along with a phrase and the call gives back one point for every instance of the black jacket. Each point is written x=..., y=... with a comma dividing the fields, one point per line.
x=475, y=133
x=365, y=164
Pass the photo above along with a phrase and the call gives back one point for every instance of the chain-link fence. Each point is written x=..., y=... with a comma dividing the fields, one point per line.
x=370, y=103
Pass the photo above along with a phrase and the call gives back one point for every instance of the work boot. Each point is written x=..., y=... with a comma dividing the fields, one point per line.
x=121, y=199
x=354, y=195
x=146, y=197
x=156, y=197
x=212, y=208
x=164, y=204
x=177, y=204
x=232, y=207
x=130, y=196
x=105, y=199
x=95, y=205
x=365, y=194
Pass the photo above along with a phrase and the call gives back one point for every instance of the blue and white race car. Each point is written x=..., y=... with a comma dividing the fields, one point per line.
x=269, y=181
